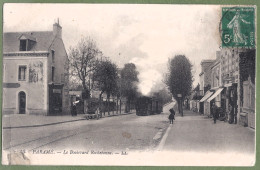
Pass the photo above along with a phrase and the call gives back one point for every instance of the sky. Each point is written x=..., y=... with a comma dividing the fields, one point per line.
x=144, y=34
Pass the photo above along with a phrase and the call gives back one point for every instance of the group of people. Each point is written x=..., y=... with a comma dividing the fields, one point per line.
x=229, y=116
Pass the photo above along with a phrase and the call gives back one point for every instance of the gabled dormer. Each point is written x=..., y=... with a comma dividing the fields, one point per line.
x=27, y=42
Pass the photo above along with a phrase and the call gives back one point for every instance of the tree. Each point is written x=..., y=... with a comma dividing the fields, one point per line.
x=106, y=78
x=179, y=79
x=83, y=61
x=129, y=80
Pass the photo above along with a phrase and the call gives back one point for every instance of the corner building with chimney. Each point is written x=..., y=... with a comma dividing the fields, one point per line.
x=35, y=73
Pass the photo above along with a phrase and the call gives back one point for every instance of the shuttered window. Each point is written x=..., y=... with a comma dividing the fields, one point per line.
x=22, y=73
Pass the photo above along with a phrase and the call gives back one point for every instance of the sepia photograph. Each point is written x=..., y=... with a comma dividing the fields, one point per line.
x=128, y=84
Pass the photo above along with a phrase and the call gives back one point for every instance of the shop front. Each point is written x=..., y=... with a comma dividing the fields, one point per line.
x=229, y=100
x=206, y=107
x=216, y=97
x=55, y=99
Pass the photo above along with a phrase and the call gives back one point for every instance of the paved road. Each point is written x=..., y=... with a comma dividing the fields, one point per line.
x=190, y=134
x=126, y=132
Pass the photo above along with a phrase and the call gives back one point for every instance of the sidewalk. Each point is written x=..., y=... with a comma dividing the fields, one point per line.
x=187, y=113
x=22, y=121
x=200, y=136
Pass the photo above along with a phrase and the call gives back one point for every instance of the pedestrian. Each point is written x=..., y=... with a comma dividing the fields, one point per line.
x=171, y=116
x=214, y=111
x=74, y=109
x=231, y=114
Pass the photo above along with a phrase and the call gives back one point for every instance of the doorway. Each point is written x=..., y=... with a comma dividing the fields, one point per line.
x=22, y=102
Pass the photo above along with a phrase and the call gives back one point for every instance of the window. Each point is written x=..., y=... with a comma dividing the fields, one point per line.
x=52, y=73
x=53, y=55
x=22, y=73
x=23, y=45
x=27, y=44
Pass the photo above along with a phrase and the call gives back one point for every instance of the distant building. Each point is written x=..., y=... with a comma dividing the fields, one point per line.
x=214, y=93
x=205, y=75
x=205, y=84
x=215, y=84
x=35, y=73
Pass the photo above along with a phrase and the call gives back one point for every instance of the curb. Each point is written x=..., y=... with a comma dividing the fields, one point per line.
x=14, y=127
x=118, y=114
x=55, y=123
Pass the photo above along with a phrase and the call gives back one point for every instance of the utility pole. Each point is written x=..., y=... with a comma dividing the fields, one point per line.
x=180, y=104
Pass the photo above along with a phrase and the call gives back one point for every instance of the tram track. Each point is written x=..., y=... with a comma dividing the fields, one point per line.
x=82, y=135
x=46, y=140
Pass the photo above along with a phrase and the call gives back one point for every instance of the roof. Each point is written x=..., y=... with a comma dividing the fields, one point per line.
x=214, y=64
x=27, y=36
x=11, y=42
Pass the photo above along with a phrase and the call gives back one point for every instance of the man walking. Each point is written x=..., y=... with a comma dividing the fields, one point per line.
x=214, y=111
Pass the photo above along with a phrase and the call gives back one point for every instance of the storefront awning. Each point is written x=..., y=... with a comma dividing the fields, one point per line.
x=215, y=94
x=207, y=95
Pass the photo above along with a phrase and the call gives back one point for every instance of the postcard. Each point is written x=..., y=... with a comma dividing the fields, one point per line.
x=129, y=84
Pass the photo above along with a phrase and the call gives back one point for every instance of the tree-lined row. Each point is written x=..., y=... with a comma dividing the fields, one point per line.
x=92, y=71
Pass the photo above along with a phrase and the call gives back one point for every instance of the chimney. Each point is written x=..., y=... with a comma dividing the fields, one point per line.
x=57, y=29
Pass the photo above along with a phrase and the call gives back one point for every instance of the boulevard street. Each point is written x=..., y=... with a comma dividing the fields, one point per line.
x=129, y=132
x=124, y=132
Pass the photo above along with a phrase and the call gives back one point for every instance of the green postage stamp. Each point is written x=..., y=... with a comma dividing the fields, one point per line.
x=96, y=84
x=238, y=27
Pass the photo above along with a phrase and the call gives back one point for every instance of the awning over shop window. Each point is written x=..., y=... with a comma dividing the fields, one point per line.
x=215, y=94
x=207, y=95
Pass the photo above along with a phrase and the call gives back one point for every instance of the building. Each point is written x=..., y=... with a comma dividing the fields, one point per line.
x=224, y=79
x=231, y=80
x=230, y=65
x=216, y=85
x=246, y=86
x=213, y=93
x=205, y=75
x=232, y=85
x=237, y=66
x=35, y=73
x=205, y=84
